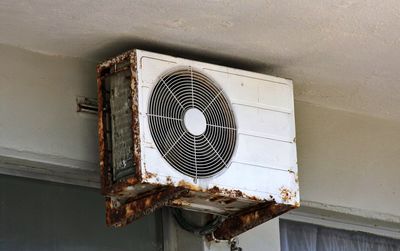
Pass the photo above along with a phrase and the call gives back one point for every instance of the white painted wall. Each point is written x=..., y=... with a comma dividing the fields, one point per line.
x=264, y=237
x=37, y=101
x=347, y=161
x=39, y=123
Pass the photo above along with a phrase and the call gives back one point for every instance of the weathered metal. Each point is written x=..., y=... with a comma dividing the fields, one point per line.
x=243, y=221
x=140, y=193
x=86, y=105
x=286, y=194
x=135, y=114
x=120, y=213
x=104, y=172
x=106, y=69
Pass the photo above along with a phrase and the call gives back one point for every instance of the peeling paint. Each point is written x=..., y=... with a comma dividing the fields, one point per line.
x=138, y=194
x=243, y=221
x=286, y=194
x=119, y=214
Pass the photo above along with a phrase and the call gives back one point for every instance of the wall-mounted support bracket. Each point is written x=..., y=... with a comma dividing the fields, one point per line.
x=86, y=105
x=119, y=213
x=239, y=223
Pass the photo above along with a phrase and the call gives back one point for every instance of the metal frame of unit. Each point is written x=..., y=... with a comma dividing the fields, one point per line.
x=142, y=184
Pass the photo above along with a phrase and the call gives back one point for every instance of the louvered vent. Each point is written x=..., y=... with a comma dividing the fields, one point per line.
x=192, y=123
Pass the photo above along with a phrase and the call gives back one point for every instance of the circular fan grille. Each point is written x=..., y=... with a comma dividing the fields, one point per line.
x=192, y=123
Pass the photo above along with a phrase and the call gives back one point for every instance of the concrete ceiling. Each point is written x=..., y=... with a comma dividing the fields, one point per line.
x=341, y=54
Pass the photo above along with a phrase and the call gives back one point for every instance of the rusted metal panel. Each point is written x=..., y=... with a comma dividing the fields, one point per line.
x=105, y=178
x=149, y=187
x=135, y=114
x=244, y=221
x=121, y=213
x=125, y=62
x=121, y=125
x=112, y=62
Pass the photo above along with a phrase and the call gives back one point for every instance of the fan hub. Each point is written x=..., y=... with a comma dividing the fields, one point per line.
x=194, y=121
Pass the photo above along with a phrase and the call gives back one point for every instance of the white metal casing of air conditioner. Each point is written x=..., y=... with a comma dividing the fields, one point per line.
x=264, y=164
x=258, y=180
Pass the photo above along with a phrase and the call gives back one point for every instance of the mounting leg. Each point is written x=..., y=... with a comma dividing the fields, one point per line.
x=121, y=213
x=242, y=222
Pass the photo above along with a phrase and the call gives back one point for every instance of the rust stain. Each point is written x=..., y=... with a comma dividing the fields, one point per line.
x=115, y=60
x=125, y=203
x=286, y=194
x=232, y=193
x=180, y=203
x=214, y=189
x=105, y=179
x=222, y=199
x=135, y=114
x=149, y=175
x=103, y=69
x=243, y=221
x=216, y=198
x=237, y=193
x=229, y=200
x=119, y=214
x=188, y=185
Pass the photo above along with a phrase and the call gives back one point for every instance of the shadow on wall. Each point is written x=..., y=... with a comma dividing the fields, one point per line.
x=38, y=215
x=121, y=45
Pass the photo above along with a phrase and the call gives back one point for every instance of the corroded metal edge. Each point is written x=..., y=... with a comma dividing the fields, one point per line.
x=243, y=221
x=120, y=214
x=104, y=175
x=135, y=115
x=116, y=60
x=107, y=186
x=123, y=202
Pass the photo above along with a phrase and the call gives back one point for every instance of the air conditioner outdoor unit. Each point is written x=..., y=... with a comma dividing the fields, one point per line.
x=197, y=136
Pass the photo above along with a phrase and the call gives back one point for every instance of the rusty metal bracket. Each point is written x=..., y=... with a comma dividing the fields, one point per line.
x=242, y=222
x=121, y=213
x=86, y=105
x=138, y=192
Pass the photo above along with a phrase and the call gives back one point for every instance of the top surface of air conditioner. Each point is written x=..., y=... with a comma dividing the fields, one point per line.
x=216, y=131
